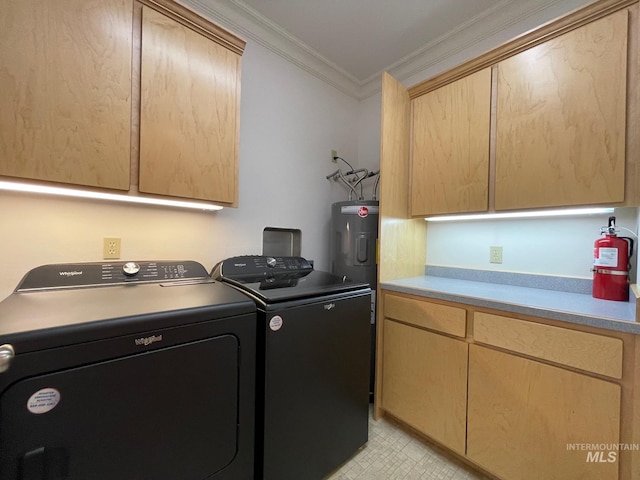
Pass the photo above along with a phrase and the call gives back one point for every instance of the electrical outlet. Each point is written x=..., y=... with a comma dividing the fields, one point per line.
x=495, y=254
x=334, y=154
x=110, y=248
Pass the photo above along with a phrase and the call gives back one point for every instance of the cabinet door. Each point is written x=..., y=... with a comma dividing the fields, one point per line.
x=65, y=78
x=561, y=116
x=424, y=382
x=450, y=140
x=189, y=112
x=525, y=418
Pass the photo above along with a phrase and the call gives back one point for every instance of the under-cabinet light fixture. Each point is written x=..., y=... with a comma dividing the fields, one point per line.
x=70, y=192
x=523, y=214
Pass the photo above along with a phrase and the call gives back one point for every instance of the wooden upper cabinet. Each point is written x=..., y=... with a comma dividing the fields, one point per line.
x=73, y=74
x=65, y=78
x=450, y=147
x=189, y=112
x=561, y=119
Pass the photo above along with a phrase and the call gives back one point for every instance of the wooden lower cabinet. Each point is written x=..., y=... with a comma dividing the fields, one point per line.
x=524, y=417
x=425, y=382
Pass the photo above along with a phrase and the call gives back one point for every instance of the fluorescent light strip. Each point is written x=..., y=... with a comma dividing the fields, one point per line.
x=68, y=192
x=524, y=214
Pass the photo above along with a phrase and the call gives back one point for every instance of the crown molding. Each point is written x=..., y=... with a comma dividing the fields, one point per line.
x=461, y=44
x=456, y=46
x=246, y=22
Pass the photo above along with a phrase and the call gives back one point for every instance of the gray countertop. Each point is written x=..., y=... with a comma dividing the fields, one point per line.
x=569, y=307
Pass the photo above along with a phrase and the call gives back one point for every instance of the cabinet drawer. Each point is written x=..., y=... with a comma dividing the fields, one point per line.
x=586, y=351
x=443, y=318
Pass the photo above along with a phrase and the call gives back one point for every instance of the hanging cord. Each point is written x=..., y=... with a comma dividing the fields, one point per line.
x=631, y=243
x=351, y=171
x=340, y=158
x=346, y=182
x=630, y=231
x=359, y=179
x=375, y=185
x=338, y=175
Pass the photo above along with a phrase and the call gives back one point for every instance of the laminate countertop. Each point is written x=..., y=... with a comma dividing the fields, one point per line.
x=564, y=306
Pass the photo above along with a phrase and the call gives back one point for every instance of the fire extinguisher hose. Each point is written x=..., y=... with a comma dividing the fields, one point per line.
x=629, y=240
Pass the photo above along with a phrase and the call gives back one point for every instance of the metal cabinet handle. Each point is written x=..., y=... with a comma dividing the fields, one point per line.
x=6, y=356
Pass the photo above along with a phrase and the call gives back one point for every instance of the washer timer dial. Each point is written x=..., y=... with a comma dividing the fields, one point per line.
x=130, y=269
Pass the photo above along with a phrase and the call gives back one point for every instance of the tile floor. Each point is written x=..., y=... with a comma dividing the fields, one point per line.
x=393, y=454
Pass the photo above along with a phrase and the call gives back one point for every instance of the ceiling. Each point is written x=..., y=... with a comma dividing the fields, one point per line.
x=349, y=43
x=363, y=37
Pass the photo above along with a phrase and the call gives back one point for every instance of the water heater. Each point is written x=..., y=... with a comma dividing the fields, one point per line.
x=354, y=230
x=354, y=226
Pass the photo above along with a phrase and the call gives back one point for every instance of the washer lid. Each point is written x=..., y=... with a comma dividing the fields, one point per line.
x=65, y=315
x=291, y=286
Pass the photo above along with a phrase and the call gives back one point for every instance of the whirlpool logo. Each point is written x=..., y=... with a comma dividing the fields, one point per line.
x=148, y=340
x=70, y=273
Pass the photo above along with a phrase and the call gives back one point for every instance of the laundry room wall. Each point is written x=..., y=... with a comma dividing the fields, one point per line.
x=290, y=122
x=369, y=125
x=560, y=246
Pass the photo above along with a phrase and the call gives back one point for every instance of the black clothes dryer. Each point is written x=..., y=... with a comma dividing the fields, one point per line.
x=126, y=371
x=312, y=364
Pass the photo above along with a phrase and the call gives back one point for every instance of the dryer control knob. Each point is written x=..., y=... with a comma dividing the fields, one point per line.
x=6, y=356
x=271, y=262
x=130, y=269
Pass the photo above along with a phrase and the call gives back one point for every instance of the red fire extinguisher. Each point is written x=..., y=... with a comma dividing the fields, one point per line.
x=611, y=264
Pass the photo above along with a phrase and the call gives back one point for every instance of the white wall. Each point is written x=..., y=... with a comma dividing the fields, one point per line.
x=559, y=246
x=39, y=229
x=369, y=123
x=290, y=122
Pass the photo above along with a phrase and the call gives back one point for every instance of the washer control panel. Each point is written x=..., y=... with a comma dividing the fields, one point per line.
x=74, y=275
x=261, y=266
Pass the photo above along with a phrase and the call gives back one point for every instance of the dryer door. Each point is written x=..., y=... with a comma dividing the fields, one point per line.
x=165, y=414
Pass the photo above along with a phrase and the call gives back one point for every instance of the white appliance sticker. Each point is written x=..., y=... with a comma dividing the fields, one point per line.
x=607, y=257
x=43, y=401
x=275, y=323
